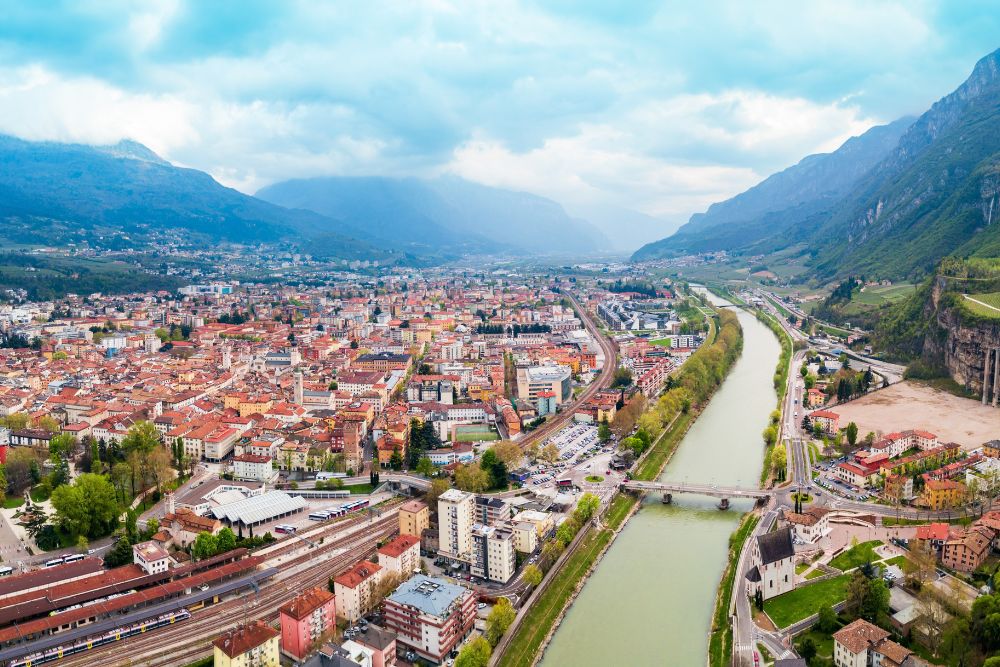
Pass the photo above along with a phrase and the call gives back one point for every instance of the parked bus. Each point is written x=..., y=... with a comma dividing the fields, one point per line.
x=285, y=529
x=6, y=571
x=54, y=562
x=564, y=483
x=319, y=516
x=73, y=558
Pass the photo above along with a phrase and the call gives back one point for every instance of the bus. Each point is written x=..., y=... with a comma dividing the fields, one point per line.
x=285, y=529
x=54, y=562
x=73, y=558
x=564, y=483
x=354, y=506
x=319, y=516
x=6, y=571
x=326, y=476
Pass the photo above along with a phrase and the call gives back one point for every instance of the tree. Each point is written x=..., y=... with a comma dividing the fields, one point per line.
x=567, y=531
x=531, y=575
x=499, y=619
x=225, y=540
x=476, y=653
x=867, y=598
x=142, y=437
x=20, y=461
x=61, y=446
x=425, y=467
x=509, y=453
x=82, y=544
x=495, y=468
x=120, y=554
x=851, y=431
x=550, y=553
x=586, y=508
x=623, y=378
x=770, y=435
x=779, y=461
x=396, y=460
x=604, y=431
x=827, y=619
x=807, y=649
x=438, y=486
x=205, y=545
x=472, y=479
x=549, y=453
x=88, y=507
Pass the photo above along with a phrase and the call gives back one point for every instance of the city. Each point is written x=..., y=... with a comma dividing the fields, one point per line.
x=499, y=335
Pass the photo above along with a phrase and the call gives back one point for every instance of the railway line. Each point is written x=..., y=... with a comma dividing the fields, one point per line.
x=182, y=643
x=602, y=382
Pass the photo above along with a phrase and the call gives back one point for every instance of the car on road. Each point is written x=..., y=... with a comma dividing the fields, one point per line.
x=481, y=605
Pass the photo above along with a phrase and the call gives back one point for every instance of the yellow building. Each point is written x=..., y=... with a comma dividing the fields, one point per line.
x=414, y=517
x=942, y=494
x=992, y=449
x=253, y=645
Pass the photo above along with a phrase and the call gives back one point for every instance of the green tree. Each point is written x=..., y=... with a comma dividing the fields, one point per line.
x=499, y=619
x=475, y=653
x=82, y=544
x=142, y=437
x=531, y=575
x=586, y=508
x=827, y=620
x=567, y=531
x=495, y=468
x=396, y=460
x=88, y=507
x=851, y=431
x=225, y=540
x=807, y=649
x=205, y=545
x=425, y=467
x=61, y=446
x=604, y=431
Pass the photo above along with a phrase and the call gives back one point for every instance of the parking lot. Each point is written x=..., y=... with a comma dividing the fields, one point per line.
x=828, y=480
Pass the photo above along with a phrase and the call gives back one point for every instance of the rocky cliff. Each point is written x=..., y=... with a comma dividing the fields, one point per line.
x=959, y=341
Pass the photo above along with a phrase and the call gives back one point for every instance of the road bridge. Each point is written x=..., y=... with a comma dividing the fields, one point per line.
x=725, y=493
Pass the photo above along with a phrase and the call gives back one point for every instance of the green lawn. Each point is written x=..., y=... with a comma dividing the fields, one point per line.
x=815, y=573
x=801, y=567
x=476, y=436
x=11, y=503
x=532, y=631
x=856, y=556
x=38, y=495
x=991, y=308
x=661, y=342
x=360, y=488
x=904, y=563
x=823, y=642
x=806, y=600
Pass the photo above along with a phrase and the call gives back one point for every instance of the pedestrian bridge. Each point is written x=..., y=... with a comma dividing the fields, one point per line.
x=726, y=493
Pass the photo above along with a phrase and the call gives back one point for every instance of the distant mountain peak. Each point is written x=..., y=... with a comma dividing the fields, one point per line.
x=132, y=150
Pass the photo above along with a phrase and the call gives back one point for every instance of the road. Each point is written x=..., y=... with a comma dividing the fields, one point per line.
x=610, y=351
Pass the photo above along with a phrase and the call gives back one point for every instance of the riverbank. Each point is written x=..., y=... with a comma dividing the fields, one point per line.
x=668, y=421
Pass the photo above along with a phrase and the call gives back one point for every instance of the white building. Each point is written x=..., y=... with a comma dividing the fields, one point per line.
x=493, y=554
x=254, y=467
x=456, y=510
x=151, y=557
x=772, y=559
x=401, y=556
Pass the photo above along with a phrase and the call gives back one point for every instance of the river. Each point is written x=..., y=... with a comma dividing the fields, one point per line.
x=650, y=600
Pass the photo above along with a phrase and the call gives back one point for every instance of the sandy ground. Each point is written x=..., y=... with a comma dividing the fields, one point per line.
x=912, y=406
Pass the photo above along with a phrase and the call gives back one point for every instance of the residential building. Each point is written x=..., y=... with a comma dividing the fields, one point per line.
x=456, y=510
x=305, y=620
x=992, y=449
x=967, y=552
x=942, y=494
x=414, y=518
x=772, y=556
x=256, y=467
x=863, y=644
x=430, y=616
x=356, y=589
x=491, y=511
x=493, y=553
x=381, y=643
x=252, y=645
x=525, y=537
x=400, y=556
x=828, y=421
x=151, y=557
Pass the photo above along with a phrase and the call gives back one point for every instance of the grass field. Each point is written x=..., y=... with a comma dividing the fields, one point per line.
x=856, y=556
x=876, y=296
x=660, y=342
x=987, y=305
x=11, y=503
x=541, y=616
x=806, y=600
x=475, y=435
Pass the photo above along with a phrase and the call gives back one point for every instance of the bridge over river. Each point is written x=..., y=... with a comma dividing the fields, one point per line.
x=725, y=493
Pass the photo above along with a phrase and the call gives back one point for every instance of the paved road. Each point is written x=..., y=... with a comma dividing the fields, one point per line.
x=12, y=550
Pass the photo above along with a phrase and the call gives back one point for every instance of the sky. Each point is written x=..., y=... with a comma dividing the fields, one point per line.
x=656, y=107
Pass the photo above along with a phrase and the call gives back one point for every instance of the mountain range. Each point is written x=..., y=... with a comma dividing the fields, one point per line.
x=889, y=203
x=125, y=195
x=447, y=212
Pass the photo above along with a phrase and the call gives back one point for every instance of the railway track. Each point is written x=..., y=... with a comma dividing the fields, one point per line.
x=189, y=641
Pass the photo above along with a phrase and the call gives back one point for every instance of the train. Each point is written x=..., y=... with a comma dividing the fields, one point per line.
x=108, y=637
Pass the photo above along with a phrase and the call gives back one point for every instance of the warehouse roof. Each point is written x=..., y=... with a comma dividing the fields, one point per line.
x=256, y=509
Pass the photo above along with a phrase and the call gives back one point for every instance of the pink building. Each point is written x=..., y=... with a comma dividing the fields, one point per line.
x=305, y=620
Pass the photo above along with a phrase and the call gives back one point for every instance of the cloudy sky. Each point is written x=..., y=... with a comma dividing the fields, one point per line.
x=658, y=107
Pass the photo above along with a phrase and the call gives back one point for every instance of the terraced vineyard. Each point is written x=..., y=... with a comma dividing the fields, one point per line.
x=987, y=305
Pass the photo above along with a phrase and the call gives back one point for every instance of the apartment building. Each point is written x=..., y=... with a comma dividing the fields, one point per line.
x=493, y=553
x=305, y=620
x=400, y=556
x=456, y=511
x=414, y=518
x=252, y=645
x=355, y=589
x=430, y=616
